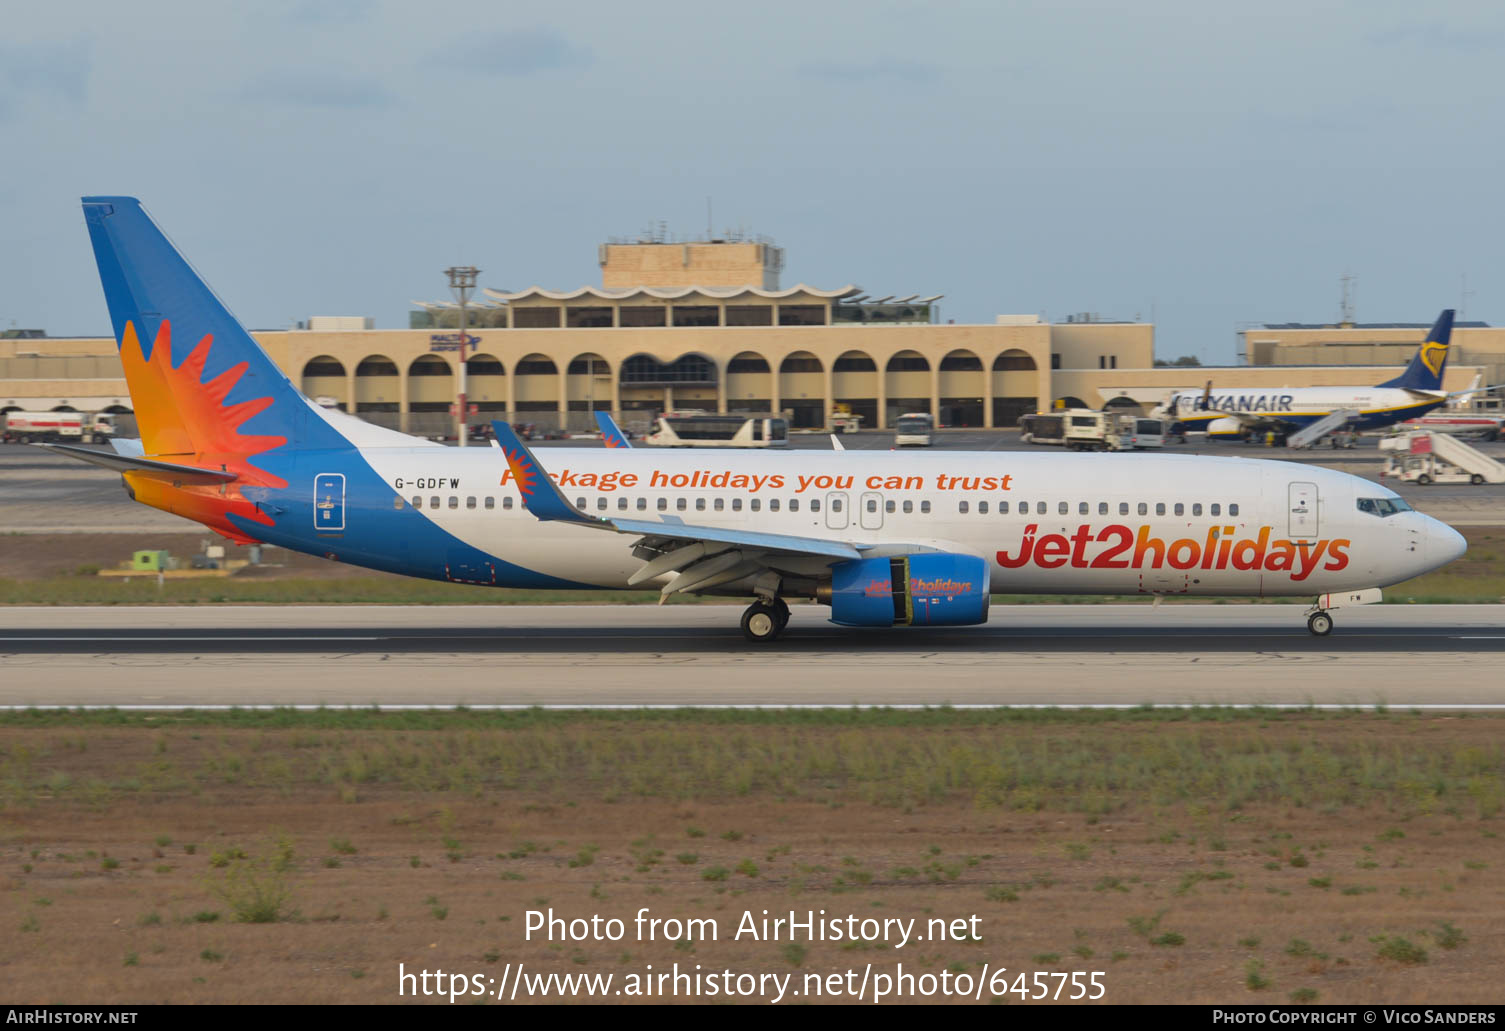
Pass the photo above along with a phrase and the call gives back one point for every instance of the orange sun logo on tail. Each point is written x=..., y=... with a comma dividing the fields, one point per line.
x=523, y=471
x=186, y=420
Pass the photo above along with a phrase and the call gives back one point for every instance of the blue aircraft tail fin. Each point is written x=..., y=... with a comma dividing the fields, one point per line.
x=199, y=383
x=1425, y=370
x=611, y=434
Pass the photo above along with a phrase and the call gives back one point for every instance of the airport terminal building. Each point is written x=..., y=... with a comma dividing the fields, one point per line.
x=705, y=324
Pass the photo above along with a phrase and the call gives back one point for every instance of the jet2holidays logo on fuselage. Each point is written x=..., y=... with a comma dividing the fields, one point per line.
x=1118, y=547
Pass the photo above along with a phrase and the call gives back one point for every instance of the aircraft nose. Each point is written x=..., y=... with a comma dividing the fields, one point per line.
x=1444, y=544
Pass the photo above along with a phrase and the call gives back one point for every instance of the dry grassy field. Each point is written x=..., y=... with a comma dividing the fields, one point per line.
x=1191, y=857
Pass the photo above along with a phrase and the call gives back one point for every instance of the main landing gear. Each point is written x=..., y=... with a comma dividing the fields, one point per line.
x=763, y=622
x=1319, y=623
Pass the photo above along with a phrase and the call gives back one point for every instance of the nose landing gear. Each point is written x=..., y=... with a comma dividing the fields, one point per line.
x=1320, y=624
x=763, y=622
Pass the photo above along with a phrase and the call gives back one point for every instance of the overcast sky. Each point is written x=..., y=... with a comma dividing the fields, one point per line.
x=1210, y=164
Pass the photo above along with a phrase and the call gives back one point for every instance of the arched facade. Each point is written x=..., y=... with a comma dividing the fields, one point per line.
x=804, y=390
x=552, y=377
x=1015, y=380
x=325, y=376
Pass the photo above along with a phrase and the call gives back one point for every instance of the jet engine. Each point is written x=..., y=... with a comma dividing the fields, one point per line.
x=936, y=589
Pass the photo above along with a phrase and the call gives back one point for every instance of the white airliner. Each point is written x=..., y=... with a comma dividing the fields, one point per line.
x=1242, y=412
x=885, y=539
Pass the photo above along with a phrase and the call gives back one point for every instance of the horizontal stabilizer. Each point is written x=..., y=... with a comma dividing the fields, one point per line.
x=150, y=466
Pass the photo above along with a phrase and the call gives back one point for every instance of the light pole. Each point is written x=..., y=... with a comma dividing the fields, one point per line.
x=462, y=280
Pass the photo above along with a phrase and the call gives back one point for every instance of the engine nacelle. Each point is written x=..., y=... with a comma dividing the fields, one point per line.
x=937, y=589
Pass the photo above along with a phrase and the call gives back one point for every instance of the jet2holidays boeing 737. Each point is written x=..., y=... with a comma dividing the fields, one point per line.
x=1244, y=412
x=882, y=538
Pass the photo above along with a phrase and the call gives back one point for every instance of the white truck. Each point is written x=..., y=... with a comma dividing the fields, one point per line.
x=1424, y=458
x=56, y=427
x=1089, y=430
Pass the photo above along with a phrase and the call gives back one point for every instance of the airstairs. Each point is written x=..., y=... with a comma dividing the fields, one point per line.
x=1309, y=435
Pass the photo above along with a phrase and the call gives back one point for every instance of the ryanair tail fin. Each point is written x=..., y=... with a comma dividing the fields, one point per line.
x=1425, y=371
x=200, y=385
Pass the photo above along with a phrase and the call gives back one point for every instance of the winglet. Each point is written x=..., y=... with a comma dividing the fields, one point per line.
x=611, y=433
x=541, y=495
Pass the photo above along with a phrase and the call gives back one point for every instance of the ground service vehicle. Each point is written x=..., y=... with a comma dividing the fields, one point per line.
x=883, y=538
x=1424, y=458
x=38, y=427
x=914, y=429
x=699, y=429
x=1043, y=428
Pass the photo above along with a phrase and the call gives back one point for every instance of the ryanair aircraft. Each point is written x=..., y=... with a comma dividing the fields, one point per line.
x=884, y=539
x=1251, y=412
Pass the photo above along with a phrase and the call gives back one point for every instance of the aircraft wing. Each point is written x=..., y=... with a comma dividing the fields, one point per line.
x=702, y=556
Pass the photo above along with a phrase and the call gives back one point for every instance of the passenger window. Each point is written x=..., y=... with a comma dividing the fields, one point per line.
x=417, y=501
x=961, y=506
x=1180, y=508
x=814, y=505
x=700, y=504
x=680, y=505
x=1123, y=508
x=642, y=504
x=982, y=507
x=397, y=501
x=601, y=504
x=773, y=504
x=794, y=505
x=1102, y=508
x=1217, y=509
x=1003, y=508
x=755, y=504
x=1160, y=508
x=507, y=501
x=719, y=504
x=470, y=502
x=888, y=506
x=736, y=504
x=490, y=501
x=454, y=501
x=1233, y=509
x=1144, y=509
x=1196, y=508
x=434, y=502
x=663, y=504
x=1039, y=508
x=1024, y=508
x=621, y=504
x=924, y=508
x=1081, y=508
x=1062, y=508
x=908, y=507
x=579, y=503
x=872, y=505
x=835, y=504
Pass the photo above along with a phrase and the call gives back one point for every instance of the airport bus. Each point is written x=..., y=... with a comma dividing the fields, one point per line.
x=913, y=429
x=1042, y=428
x=702, y=429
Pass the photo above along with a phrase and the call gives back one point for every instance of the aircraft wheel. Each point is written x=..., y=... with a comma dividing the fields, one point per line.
x=781, y=607
x=1320, y=624
x=1424, y=480
x=1476, y=479
x=761, y=623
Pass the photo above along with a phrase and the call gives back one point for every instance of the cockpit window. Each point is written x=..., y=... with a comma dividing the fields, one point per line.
x=1383, y=507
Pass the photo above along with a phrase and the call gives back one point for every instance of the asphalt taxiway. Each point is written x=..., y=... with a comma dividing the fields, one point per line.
x=1173, y=654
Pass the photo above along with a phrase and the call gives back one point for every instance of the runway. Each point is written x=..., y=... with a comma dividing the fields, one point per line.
x=1416, y=655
